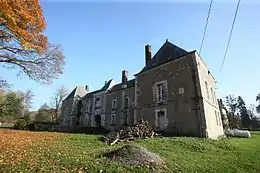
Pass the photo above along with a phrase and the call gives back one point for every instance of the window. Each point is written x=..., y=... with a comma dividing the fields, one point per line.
x=87, y=111
x=126, y=102
x=86, y=120
x=160, y=91
x=125, y=118
x=181, y=90
x=161, y=121
x=216, y=115
x=212, y=95
x=89, y=120
x=215, y=98
x=98, y=102
x=218, y=119
x=207, y=89
x=114, y=104
x=113, y=119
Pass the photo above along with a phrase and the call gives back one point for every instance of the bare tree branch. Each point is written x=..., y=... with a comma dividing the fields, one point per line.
x=42, y=67
x=57, y=99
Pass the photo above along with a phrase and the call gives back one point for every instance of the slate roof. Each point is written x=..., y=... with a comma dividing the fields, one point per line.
x=117, y=87
x=71, y=94
x=166, y=53
x=104, y=88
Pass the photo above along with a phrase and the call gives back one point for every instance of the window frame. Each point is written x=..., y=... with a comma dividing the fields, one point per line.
x=113, y=120
x=161, y=90
x=157, y=125
x=207, y=89
x=220, y=119
x=217, y=117
x=98, y=100
x=126, y=105
x=114, y=105
x=126, y=116
x=212, y=95
x=215, y=97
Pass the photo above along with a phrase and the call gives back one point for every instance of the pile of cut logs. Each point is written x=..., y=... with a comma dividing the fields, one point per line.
x=139, y=130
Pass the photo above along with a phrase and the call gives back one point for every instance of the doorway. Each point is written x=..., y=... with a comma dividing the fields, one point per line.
x=98, y=120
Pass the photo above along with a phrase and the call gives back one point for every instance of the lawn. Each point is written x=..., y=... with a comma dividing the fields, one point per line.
x=22, y=151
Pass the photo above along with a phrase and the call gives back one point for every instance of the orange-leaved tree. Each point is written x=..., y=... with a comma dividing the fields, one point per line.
x=23, y=45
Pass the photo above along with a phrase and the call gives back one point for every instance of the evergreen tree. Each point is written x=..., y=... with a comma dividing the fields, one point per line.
x=244, y=116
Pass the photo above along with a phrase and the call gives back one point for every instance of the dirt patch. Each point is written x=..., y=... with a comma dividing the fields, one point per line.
x=135, y=155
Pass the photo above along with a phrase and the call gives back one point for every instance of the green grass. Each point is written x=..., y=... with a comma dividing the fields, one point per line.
x=82, y=152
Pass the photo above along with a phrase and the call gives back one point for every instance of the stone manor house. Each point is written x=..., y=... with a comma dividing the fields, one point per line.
x=174, y=92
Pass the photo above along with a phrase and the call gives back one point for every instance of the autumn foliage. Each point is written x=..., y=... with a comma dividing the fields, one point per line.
x=23, y=45
x=23, y=21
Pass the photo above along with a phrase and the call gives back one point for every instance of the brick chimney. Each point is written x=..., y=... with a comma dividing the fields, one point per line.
x=148, y=54
x=86, y=88
x=124, y=77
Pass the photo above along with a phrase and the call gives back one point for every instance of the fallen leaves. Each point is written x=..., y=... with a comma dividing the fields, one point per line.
x=17, y=148
x=24, y=151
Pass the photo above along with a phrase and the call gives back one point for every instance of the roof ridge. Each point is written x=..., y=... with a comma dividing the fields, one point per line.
x=175, y=45
x=168, y=51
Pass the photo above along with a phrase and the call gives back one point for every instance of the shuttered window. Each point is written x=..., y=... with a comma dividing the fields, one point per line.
x=160, y=91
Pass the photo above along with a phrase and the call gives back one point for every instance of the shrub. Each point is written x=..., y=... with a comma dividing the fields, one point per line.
x=24, y=123
x=20, y=124
x=31, y=127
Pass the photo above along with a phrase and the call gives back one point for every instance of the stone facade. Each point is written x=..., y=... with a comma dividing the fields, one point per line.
x=209, y=104
x=180, y=109
x=174, y=92
x=120, y=107
x=70, y=106
x=93, y=111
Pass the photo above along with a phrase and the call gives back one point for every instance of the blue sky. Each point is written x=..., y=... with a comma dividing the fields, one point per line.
x=101, y=39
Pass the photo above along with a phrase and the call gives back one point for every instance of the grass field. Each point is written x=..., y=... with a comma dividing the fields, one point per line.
x=23, y=151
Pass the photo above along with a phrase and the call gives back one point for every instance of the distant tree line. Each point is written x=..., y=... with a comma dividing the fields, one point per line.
x=240, y=115
x=15, y=105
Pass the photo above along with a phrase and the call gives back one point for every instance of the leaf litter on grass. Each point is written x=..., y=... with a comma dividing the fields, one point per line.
x=17, y=149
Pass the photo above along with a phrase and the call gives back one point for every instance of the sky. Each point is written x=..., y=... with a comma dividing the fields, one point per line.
x=102, y=38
